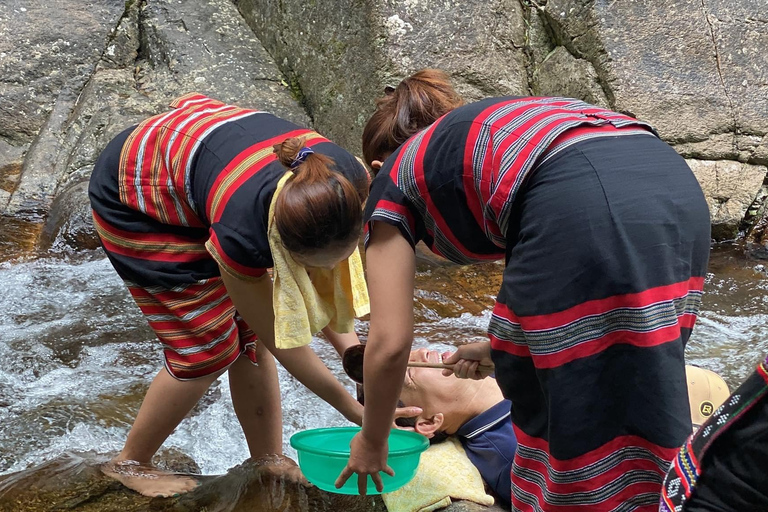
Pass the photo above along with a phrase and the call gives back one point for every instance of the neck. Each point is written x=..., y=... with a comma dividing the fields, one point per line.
x=477, y=398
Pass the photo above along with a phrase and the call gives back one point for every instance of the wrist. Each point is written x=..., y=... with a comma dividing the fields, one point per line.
x=374, y=439
x=354, y=412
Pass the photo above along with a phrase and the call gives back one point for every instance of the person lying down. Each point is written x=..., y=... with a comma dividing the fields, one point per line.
x=476, y=412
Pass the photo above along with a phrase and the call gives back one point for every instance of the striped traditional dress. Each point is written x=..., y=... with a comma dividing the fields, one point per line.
x=182, y=194
x=605, y=234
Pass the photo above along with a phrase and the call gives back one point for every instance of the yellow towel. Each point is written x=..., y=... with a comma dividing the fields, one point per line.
x=444, y=472
x=302, y=306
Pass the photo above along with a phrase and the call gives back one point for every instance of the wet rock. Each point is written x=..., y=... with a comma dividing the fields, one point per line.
x=269, y=484
x=446, y=290
x=339, y=55
x=18, y=237
x=173, y=459
x=730, y=188
x=72, y=482
x=69, y=226
x=11, y=157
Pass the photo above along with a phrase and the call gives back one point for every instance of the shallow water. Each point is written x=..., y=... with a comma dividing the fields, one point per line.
x=76, y=355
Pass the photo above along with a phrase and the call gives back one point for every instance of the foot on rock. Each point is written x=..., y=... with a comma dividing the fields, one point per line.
x=281, y=467
x=147, y=479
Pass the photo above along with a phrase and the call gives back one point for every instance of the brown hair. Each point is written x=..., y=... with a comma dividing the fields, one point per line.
x=415, y=103
x=318, y=206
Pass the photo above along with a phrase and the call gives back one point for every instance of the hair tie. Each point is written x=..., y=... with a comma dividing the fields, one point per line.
x=301, y=156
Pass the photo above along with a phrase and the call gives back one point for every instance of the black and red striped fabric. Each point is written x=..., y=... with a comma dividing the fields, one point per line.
x=605, y=234
x=181, y=195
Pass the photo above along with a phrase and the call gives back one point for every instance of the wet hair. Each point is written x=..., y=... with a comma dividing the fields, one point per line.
x=437, y=437
x=318, y=207
x=414, y=104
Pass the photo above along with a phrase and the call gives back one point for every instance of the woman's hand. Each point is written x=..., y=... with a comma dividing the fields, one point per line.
x=366, y=458
x=466, y=360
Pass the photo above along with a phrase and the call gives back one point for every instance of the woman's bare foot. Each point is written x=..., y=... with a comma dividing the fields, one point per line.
x=148, y=480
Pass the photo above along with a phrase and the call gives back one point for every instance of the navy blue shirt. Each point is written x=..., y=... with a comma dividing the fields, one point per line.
x=490, y=443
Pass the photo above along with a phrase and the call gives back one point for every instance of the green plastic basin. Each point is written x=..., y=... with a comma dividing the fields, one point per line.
x=323, y=454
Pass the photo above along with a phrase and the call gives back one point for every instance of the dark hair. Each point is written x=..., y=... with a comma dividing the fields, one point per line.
x=415, y=103
x=318, y=206
x=438, y=436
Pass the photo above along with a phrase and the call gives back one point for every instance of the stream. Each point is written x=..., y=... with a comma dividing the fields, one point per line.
x=76, y=356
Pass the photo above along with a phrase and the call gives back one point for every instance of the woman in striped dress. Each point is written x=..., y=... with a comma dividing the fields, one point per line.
x=605, y=234
x=181, y=205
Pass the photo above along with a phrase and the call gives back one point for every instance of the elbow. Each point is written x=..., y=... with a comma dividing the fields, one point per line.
x=391, y=349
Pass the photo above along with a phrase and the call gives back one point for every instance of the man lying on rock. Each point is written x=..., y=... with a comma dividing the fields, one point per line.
x=476, y=412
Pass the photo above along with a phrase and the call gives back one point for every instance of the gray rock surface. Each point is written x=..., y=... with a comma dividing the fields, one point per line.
x=69, y=225
x=101, y=67
x=728, y=187
x=339, y=54
x=693, y=68
x=696, y=69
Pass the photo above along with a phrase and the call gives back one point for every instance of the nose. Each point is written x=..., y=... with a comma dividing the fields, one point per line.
x=419, y=355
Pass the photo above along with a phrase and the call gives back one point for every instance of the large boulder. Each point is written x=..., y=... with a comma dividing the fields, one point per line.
x=730, y=188
x=340, y=54
x=72, y=482
x=102, y=67
x=696, y=70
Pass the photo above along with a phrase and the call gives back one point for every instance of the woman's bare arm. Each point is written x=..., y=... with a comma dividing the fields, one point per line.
x=391, y=266
x=253, y=300
x=341, y=341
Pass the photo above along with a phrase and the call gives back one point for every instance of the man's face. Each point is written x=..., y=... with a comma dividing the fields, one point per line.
x=428, y=388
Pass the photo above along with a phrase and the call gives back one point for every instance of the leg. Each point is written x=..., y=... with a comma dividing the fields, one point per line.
x=167, y=402
x=255, y=394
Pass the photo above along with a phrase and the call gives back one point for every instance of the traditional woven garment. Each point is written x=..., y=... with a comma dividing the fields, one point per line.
x=605, y=234
x=181, y=195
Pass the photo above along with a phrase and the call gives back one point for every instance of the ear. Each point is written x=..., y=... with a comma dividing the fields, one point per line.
x=428, y=427
x=376, y=165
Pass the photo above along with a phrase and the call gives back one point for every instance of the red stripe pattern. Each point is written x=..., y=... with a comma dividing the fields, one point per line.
x=625, y=474
x=197, y=325
x=644, y=319
x=505, y=142
x=156, y=161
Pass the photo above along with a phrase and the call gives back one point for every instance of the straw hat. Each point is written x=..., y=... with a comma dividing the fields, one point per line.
x=706, y=392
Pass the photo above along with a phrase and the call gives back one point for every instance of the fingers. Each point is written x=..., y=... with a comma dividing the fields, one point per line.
x=407, y=412
x=377, y=478
x=472, y=370
x=463, y=369
x=451, y=357
x=362, y=483
x=343, y=477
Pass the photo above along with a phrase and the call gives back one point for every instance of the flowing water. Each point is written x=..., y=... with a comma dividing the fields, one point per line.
x=76, y=355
